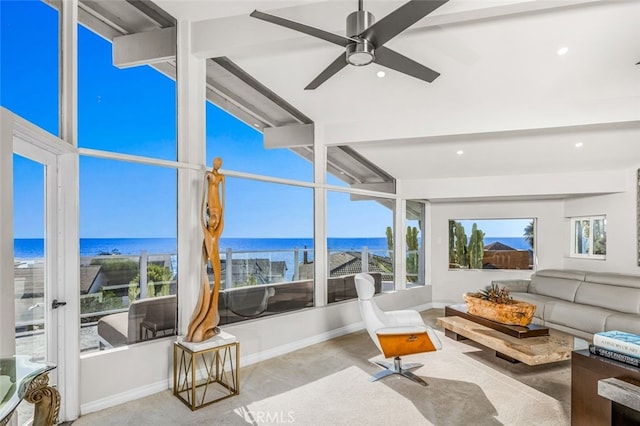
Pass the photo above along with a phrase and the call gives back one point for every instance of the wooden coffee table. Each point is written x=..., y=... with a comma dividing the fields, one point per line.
x=537, y=350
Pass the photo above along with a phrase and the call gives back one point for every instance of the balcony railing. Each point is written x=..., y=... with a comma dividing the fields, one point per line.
x=282, y=280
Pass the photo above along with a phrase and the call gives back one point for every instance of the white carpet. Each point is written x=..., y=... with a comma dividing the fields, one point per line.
x=461, y=390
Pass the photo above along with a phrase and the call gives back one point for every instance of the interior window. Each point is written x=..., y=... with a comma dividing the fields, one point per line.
x=491, y=243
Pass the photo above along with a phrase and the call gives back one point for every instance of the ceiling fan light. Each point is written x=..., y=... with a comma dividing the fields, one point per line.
x=361, y=53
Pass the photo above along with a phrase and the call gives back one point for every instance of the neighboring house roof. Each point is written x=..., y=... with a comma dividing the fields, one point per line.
x=497, y=246
x=88, y=275
x=348, y=263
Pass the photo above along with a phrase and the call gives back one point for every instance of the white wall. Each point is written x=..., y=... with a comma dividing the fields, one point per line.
x=551, y=199
x=449, y=285
x=111, y=377
x=620, y=210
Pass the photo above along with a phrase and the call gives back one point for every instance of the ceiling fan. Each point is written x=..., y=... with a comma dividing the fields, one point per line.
x=365, y=39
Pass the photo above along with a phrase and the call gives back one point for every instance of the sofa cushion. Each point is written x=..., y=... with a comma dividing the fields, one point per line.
x=125, y=327
x=623, y=299
x=114, y=328
x=561, y=284
x=621, y=280
x=574, y=315
x=515, y=285
x=623, y=322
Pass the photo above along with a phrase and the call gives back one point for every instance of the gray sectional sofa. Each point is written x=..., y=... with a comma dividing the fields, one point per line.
x=581, y=302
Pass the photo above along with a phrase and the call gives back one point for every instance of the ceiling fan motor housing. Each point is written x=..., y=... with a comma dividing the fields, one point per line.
x=362, y=52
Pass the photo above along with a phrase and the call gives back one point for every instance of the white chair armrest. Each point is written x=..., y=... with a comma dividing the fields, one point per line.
x=404, y=317
x=402, y=330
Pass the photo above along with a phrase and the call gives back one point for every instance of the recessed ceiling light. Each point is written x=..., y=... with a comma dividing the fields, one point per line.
x=579, y=145
x=459, y=152
x=381, y=74
x=563, y=50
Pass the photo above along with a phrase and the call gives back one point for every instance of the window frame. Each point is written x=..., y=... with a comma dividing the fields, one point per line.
x=572, y=242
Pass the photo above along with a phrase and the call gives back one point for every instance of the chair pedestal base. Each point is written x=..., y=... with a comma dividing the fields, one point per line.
x=397, y=368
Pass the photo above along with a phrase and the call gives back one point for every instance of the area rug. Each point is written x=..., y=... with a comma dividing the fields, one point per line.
x=461, y=391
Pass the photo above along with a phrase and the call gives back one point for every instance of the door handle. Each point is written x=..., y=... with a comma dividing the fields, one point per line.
x=55, y=304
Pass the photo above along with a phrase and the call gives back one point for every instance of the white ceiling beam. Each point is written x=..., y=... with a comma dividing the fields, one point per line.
x=288, y=136
x=144, y=48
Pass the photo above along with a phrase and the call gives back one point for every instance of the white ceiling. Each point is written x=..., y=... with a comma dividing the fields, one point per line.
x=505, y=96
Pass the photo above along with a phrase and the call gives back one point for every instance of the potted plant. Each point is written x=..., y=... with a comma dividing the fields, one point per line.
x=496, y=304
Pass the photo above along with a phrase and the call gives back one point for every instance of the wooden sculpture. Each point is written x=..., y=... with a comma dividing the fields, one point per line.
x=205, y=318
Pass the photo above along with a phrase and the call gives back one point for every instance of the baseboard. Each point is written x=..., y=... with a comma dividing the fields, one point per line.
x=123, y=397
x=427, y=306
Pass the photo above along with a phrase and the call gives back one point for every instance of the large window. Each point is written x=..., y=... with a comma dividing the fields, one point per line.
x=128, y=260
x=266, y=250
x=128, y=111
x=29, y=62
x=359, y=239
x=415, y=263
x=589, y=237
x=491, y=243
x=241, y=148
x=128, y=211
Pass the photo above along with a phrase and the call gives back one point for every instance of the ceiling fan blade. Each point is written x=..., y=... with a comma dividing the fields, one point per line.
x=391, y=59
x=399, y=20
x=335, y=66
x=315, y=32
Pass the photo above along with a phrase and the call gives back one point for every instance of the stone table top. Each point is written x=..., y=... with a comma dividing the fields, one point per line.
x=557, y=346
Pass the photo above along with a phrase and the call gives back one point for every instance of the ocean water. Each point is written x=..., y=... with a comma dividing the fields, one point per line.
x=33, y=248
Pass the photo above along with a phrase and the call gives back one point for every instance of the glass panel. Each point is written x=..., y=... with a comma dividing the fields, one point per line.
x=118, y=239
x=241, y=148
x=577, y=243
x=599, y=237
x=130, y=111
x=268, y=241
x=491, y=243
x=29, y=257
x=358, y=230
x=413, y=235
x=583, y=242
x=29, y=62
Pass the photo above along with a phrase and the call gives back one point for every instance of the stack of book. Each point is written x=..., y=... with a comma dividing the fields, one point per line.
x=617, y=345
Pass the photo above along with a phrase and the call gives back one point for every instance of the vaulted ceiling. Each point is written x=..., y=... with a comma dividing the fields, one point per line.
x=505, y=96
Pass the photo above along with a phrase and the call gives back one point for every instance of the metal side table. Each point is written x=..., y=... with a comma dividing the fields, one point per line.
x=206, y=372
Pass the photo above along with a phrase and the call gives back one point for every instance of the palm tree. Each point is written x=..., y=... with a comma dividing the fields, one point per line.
x=528, y=233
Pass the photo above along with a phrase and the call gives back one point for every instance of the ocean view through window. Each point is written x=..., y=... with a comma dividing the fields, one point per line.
x=127, y=168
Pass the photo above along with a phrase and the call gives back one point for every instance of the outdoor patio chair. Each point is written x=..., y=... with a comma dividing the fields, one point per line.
x=395, y=333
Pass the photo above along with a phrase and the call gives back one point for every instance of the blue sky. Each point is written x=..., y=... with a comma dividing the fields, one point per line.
x=133, y=111
x=498, y=228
